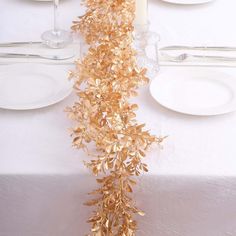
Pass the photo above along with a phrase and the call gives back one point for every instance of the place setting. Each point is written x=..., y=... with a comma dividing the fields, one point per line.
x=34, y=74
x=191, y=85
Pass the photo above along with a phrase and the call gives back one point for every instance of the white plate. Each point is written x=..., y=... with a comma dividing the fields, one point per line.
x=32, y=86
x=195, y=91
x=188, y=2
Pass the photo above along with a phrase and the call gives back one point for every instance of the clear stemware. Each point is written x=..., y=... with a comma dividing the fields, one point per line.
x=56, y=38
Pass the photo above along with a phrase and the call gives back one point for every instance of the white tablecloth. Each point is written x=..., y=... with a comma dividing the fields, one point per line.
x=191, y=187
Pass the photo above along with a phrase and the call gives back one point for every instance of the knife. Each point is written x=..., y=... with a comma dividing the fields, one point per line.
x=12, y=44
x=50, y=57
x=205, y=48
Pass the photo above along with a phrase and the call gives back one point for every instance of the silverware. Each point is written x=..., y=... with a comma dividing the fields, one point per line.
x=204, y=48
x=49, y=57
x=12, y=44
x=185, y=56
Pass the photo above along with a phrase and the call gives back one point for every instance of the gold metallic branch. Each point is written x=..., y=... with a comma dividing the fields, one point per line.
x=104, y=119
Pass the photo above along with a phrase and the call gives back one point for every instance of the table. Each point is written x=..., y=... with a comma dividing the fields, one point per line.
x=190, y=189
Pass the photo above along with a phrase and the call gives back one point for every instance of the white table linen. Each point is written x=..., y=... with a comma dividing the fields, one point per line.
x=191, y=187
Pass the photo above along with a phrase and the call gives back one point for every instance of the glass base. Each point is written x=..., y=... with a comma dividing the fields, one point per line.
x=146, y=46
x=56, y=39
x=151, y=65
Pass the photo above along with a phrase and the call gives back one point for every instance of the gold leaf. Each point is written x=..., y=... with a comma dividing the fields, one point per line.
x=141, y=213
x=129, y=189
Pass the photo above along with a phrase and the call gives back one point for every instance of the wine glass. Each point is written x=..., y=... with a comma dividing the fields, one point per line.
x=56, y=38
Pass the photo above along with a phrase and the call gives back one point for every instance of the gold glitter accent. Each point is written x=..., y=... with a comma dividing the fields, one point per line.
x=106, y=127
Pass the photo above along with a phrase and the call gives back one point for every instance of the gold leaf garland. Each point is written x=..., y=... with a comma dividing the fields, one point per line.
x=104, y=81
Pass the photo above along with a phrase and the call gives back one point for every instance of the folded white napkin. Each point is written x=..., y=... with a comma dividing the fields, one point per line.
x=40, y=49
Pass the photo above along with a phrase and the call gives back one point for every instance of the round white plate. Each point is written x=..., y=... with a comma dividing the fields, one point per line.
x=200, y=92
x=188, y=2
x=31, y=86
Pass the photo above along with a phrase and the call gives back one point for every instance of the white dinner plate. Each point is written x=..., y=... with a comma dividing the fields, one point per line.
x=188, y=2
x=31, y=86
x=195, y=91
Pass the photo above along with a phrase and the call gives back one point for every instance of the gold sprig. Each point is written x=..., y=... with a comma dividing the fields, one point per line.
x=105, y=120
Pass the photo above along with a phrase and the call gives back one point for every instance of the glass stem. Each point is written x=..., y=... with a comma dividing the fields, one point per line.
x=56, y=5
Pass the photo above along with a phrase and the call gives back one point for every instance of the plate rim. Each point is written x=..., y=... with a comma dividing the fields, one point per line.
x=54, y=99
x=187, y=3
x=216, y=113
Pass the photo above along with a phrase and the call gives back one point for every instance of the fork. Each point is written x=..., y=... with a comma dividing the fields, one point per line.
x=183, y=57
